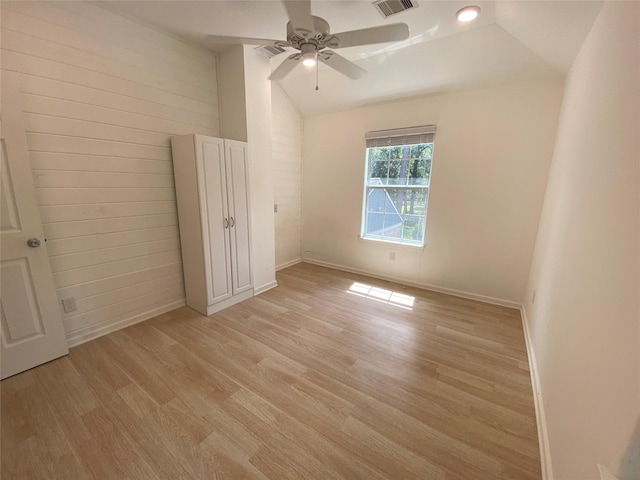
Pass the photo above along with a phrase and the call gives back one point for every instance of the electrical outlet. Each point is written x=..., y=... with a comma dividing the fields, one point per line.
x=392, y=256
x=533, y=297
x=69, y=304
x=275, y=208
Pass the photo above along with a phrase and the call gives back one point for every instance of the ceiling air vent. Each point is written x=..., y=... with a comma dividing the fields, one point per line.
x=270, y=50
x=391, y=7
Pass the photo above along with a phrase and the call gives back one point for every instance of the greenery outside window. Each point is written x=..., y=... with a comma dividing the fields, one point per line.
x=398, y=171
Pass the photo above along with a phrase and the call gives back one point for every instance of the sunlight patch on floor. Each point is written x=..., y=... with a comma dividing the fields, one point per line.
x=382, y=295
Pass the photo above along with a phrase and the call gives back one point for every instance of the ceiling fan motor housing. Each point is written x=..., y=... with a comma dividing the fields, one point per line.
x=319, y=38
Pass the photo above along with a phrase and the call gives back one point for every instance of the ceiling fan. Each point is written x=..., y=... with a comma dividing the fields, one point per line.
x=310, y=35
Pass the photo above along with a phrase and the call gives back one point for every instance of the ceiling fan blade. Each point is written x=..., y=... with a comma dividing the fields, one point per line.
x=285, y=67
x=222, y=40
x=367, y=36
x=341, y=64
x=299, y=12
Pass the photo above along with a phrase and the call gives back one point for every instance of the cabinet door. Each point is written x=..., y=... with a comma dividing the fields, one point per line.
x=238, y=195
x=215, y=221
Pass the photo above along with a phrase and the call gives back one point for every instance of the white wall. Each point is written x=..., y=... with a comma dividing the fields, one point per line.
x=102, y=95
x=492, y=152
x=233, y=102
x=585, y=322
x=286, y=124
x=258, y=102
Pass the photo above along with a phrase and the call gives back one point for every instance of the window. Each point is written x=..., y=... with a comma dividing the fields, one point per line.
x=398, y=170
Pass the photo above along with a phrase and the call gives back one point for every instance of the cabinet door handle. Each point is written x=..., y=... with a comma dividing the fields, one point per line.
x=232, y=221
x=226, y=223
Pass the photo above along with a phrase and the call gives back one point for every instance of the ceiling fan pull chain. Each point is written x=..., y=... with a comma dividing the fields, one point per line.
x=317, y=74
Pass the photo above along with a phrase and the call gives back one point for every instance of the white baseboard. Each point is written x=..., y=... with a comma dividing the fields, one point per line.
x=265, y=287
x=605, y=474
x=92, y=332
x=541, y=419
x=290, y=263
x=425, y=286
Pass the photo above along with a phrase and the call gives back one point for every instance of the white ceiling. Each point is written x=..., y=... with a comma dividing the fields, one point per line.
x=511, y=40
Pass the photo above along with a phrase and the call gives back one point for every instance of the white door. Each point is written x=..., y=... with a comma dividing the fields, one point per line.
x=238, y=188
x=32, y=331
x=212, y=185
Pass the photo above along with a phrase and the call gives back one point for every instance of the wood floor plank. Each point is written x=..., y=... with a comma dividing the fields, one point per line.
x=331, y=375
x=311, y=455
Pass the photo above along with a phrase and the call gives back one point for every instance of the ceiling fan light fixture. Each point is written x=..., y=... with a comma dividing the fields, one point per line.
x=309, y=55
x=468, y=14
x=309, y=59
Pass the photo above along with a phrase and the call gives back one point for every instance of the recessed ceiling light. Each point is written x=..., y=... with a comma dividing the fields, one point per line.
x=468, y=14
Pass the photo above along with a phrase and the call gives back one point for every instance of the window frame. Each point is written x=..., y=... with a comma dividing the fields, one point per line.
x=394, y=138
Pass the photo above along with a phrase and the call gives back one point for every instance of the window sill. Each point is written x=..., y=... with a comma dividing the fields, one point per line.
x=391, y=244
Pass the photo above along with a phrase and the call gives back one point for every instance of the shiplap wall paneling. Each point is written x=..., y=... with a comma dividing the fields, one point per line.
x=287, y=163
x=102, y=95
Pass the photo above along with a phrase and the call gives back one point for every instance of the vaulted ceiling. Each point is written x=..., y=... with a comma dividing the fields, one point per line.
x=510, y=41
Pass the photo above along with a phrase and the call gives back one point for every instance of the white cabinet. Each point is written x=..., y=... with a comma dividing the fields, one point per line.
x=212, y=189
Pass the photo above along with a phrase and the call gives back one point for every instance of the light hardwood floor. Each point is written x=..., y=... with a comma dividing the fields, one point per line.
x=328, y=376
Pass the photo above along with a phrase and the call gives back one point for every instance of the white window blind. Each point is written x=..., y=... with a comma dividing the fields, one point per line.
x=401, y=136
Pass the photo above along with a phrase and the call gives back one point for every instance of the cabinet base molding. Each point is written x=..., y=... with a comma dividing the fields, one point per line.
x=216, y=307
x=265, y=287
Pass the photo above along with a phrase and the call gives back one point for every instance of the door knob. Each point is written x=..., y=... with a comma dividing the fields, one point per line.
x=33, y=242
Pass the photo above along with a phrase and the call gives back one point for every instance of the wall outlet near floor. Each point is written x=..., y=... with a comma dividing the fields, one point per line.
x=533, y=297
x=69, y=304
x=275, y=208
x=392, y=256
